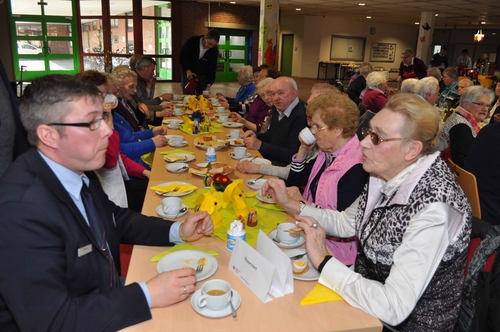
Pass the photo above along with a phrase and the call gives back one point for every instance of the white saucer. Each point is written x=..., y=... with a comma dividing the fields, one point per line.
x=232, y=124
x=174, y=194
x=159, y=211
x=186, y=156
x=298, y=243
x=311, y=274
x=238, y=158
x=177, y=167
x=264, y=199
x=210, y=313
x=170, y=127
x=167, y=121
x=257, y=185
x=229, y=137
x=178, y=146
x=260, y=161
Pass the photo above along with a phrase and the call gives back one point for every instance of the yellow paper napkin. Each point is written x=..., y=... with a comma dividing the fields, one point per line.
x=182, y=188
x=182, y=246
x=320, y=294
x=176, y=151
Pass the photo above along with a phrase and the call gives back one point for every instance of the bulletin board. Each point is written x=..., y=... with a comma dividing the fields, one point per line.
x=383, y=52
x=347, y=48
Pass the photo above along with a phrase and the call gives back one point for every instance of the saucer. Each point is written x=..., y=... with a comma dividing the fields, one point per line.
x=211, y=313
x=228, y=136
x=232, y=124
x=238, y=158
x=177, y=167
x=167, y=121
x=159, y=211
x=179, y=145
x=298, y=243
x=264, y=199
x=260, y=161
x=170, y=127
x=257, y=185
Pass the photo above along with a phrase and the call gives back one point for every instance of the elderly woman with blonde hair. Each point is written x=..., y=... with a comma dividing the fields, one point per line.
x=376, y=95
x=412, y=222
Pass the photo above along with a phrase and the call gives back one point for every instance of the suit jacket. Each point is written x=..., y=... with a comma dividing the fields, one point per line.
x=281, y=141
x=54, y=277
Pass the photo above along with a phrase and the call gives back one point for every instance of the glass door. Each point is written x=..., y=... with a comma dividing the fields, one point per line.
x=43, y=39
x=234, y=52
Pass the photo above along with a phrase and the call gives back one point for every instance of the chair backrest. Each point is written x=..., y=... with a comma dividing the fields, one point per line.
x=467, y=181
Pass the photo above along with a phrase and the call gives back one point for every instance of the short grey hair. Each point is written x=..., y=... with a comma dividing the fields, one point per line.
x=407, y=52
x=247, y=73
x=425, y=86
x=264, y=82
x=435, y=72
x=145, y=61
x=452, y=72
x=365, y=68
x=374, y=79
x=473, y=93
x=408, y=85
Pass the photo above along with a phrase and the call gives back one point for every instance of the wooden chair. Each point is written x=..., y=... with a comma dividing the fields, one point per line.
x=467, y=181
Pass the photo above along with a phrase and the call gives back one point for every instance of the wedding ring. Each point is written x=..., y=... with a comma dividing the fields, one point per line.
x=184, y=289
x=315, y=225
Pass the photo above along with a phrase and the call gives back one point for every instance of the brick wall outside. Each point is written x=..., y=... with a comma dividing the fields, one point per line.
x=195, y=14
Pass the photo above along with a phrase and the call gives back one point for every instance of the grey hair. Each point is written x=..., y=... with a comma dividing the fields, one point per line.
x=264, y=82
x=435, y=72
x=365, y=69
x=48, y=99
x=452, y=72
x=120, y=73
x=425, y=86
x=407, y=52
x=247, y=73
x=473, y=93
x=408, y=85
x=145, y=61
x=374, y=79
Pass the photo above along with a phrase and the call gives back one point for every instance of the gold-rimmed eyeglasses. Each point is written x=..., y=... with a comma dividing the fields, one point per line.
x=376, y=140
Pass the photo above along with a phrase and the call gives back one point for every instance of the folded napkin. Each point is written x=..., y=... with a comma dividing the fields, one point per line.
x=176, y=151
x=174, y=158
x=320, y=294
x=182, y=188
x=182, y=246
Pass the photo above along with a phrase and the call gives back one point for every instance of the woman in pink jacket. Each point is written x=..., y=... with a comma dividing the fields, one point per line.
x=337, y=177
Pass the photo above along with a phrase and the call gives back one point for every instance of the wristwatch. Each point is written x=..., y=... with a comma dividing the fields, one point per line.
x=302, y=206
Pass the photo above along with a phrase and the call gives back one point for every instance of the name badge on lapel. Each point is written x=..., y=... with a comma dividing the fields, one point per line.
x=85, y=250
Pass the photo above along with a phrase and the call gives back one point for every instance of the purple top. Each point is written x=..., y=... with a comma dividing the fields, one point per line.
x=258, y=111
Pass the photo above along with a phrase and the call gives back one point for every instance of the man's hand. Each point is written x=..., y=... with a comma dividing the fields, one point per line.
x=252, y=142
x=236, y=117
x=196, y=226
x=245, y=166
x=315, y=240
x=167, y=97
x=164, y=112
x=168, y=288
x=276, y=188
x=159, y=131
x=190, y=75
x=144, y=109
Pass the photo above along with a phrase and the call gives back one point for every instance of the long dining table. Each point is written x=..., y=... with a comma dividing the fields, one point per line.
x=281, y=314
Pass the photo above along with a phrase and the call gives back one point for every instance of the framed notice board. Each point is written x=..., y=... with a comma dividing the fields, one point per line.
x=383, y=52
x=347, y=48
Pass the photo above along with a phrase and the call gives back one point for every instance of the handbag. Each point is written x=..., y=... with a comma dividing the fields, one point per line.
x=192, y=85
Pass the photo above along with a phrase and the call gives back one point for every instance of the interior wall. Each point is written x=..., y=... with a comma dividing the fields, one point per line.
x=5, y=41
x=314, y=33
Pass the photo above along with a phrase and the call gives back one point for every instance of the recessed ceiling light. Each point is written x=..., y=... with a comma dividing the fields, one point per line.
x=494, y=33
x=417, y=22
x=298, y=9
x=437, y=15
x=483, y=22
x=368, y=17
x=232, y=2
x=361, y=4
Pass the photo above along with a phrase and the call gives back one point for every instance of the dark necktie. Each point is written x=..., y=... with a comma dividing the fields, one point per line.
x=97, y=228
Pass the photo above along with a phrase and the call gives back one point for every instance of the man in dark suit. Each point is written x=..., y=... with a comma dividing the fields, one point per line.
x=56, y=274
x=288, y=117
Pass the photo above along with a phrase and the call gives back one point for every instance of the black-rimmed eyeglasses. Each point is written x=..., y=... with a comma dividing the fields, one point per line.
x=92, y=125
x=376, y=140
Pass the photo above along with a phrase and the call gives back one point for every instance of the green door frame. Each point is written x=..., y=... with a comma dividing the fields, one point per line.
x=225, y=73
x=44, y=40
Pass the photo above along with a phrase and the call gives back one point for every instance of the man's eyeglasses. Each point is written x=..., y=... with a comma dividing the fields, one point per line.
x=92, y=125
x=315, y=129
x=376, y=140
x=482, y=105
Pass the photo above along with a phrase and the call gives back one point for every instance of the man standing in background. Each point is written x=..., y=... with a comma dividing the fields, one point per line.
x=440, y=59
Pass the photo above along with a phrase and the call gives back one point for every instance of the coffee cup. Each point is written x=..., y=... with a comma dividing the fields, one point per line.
x=176, y=140
x=206, y=93
x=177, y=111
x=171, y=205
x=240, y=152
x=221, y=109
x=174, y=124
x=234, y=133
x=215, y=294
x=176, y=97
x=186, y=99
x=307, y=136
x=284, y=235
x=223, y=118
x=214, y=100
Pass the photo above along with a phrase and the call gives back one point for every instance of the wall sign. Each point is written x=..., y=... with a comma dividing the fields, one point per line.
x=383, y=52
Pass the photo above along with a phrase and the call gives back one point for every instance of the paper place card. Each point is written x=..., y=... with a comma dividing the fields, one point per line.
x=266, y=271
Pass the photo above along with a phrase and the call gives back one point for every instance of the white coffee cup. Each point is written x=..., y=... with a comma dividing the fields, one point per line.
x=174, y=123
x=307, y=136
x=177, y=111
x=110, y=102
x=223, y=118
x=284, y=236
x=214, y=100
x=221, y=109
x=234, y=133
x=240, y=152
x=176, y=140
x=206, y=93
x=171, y=205
x=215, y=294
x=177, y=97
